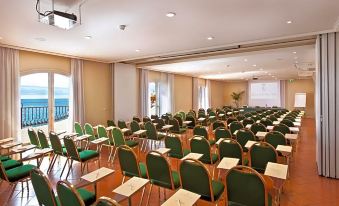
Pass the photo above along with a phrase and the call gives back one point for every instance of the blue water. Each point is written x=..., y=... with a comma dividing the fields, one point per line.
x=43, y=102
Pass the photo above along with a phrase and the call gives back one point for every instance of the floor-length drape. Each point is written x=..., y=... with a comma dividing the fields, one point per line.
x=166, y=93
x=77, y=93
x=144, y=97
x=208, y=94
x=9, y=93
x=195, y=93
x=282, y=93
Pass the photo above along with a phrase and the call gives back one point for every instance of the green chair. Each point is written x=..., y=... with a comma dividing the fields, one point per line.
x=160, y=173
x=179, y=118
x=191, y=113
x=248, y=114
x=58, y=150
x=137, y=119
x=195, y=177
x=183, y=114
x=272, y=118
x=83, y=157
x=247, y=121
x=260, y=154
x=201, y=131
x=202, y=146
x=119, y=140
x=230, y=148
x=240, y=117
x=33, y=137
x=287, y=122
x=275, y=138
x=160, y=123
x=193, y=121
x=129, y=163
x=78, y=129
x=122, y=125
x=152, y=134
x=110, y=123
x=266, y=122
x=174, y=143
x=89, y=131
x=245, y=186
x=217, y=124
x=222, y=132
x=102, y=132
x=146, y=119
x=43, y=139
x=230, y=120
x=15, y=175
x=258, y=127
x=282, y=128
x=10, y=164
x=106, y=201
x=70, y=196
x=234, y=126
x=176, y=127
x=243, y=135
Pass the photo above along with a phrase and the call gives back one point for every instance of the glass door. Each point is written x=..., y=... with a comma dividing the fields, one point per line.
x=61, y=102
x=154, y=94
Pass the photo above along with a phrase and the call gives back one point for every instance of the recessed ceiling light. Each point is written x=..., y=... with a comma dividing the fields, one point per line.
x=289, y=22
x=88, y=37
x=245, y=60
x=171, y=14
x=266, y=72
x=137, y=50
x=254, y=65
x=210, y=38
x=294, y=52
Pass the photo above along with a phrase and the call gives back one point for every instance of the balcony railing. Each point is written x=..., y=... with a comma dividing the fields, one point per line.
x=35, y=116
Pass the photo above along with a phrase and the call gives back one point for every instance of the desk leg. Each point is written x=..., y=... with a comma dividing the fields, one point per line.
x=129, y=201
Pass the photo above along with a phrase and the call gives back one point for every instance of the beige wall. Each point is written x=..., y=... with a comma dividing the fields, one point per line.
x=301, y=86
x=230, y=87
x=97, y=81
x=217, y=93
x=182, y=93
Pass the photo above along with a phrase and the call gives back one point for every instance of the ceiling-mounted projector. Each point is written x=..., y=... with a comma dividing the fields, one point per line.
x=60, y=19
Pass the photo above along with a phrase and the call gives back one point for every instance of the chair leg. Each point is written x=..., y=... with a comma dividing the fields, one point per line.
x=64, y=167
x=52, y=163
x=12, y=192
x=110, y=154
x=159, y=194
x=149, y=194
x=69, y=169
x=142, y=196
x=115, y=152
x=123, y=179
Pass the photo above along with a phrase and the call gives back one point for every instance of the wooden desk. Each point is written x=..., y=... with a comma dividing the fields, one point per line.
x=130, y=187
x=192, y=155
x=182, y=198
x=97, y=175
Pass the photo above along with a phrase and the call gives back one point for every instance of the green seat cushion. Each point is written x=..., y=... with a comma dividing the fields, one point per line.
x=9, y=164
x=176, y=179
x=186, y=152
x=132, y=143
x=64, y=151
x=246, y=162
x=212, y=141
x=218, y=188
x=20, y=172
x=87, y=196
x=4, y=158
x=143, y=170
x=214, y=158
x=88, y=154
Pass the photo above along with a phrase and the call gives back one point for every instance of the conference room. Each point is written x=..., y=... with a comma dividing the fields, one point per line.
x=169, y=103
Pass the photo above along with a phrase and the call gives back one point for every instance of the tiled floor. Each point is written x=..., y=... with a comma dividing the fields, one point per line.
x=304, y=188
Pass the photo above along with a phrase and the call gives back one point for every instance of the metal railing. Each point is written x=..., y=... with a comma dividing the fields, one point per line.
x=35, y=116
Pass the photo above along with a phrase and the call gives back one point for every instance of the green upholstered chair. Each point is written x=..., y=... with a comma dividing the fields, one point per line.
x=58, y=150
x=230, y=148
x=222, y=132
x=78, y=129
x=4, y=158
x=230, y=120
x=15, y=175
x=272, y=118
x=287, y=122
x=111, y=123
x=193, y=121
x=245, y=186
x=266, y=122
x=247, y=120
x=89, y=131
x=152, y=134
x=129, y=163
x=258, y=127
x=154, y=116
x=217, y=124
x=146, y=119
x=201, y=131
x=284, y=129
x=105, y=201
x=135, y=126
x=275, y=138
x=160, y=123
x=33, y=137
x=176, y=127
x=179, y=118
x=234, y=126
x=201, y=145
x=240, y=117
x=83, y=157
x=10, y=164
x=102, y=132
x=43, y=139
x=70, y=196
x=191, y=113
x=122, y=125
x=243, y=135
x=137, y=119
x=195, y=177
x=160, y=173
x=223, y=115
x=183, y=115
x=118, y=138
x=165, y=117
x=260, y=154
x=248, y=114
x=174, y=143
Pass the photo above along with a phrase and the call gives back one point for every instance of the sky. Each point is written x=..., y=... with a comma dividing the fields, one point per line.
x=41, y=80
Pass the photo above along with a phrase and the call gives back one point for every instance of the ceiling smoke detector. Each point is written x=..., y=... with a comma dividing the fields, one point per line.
x=122, y=27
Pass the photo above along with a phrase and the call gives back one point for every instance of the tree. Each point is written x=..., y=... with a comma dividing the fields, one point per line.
x=236, y=96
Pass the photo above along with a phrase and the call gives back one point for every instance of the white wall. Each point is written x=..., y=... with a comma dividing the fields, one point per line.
x=125, y=91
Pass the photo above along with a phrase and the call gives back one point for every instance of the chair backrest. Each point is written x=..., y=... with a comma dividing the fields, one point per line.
x=282, y=128
x=192, y=119
x=230, y=148
x=175, y=123
x=33, y=137
x=248, y=114
x=246, y=186
x=243, y=135
x=200, y=131
x=135, y=126
x=174, y=143
x=230, y=120
x=165, y=117
x=217, y=124
x=179, y=118
x=55, y=143
x=90, y=131
x=195, y=177
x=275, y=138
x=68, y=195
x=287, y=122
x=122, y=124
x=240, y=117
x=110, y=123
x=222, y=132
x=202, y=146
x=137, y=119
x=78, y=129
x=260, y=154
x=106, y=201
x=146, y=119
x=266, y=122
x=43, y=188
x=160, y=123
x=118, y=137
x=191, y=113
x=128, y=161
x=234, y=126
x=43, y=139
x=183, y=115
x=154, y=116
x=159, y=170
x=247, y=120
x=3, y=174
x=258, y=127
x=72, y=151
x=272, y=118
x=151, y=132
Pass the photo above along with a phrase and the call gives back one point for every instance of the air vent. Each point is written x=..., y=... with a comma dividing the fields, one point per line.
x=305, y=73
x=306, y=66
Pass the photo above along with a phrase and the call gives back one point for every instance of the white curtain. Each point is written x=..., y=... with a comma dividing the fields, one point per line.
x=166, y=93
x=77, y=93
x=208, y=94
x=171, y=93
x=144, y=97
x=282, y=93
x=9, y=93
x=112, y=66
x=195, y=93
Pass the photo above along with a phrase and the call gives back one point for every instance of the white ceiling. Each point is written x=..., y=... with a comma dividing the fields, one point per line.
x=150, y=31
x=283, y=63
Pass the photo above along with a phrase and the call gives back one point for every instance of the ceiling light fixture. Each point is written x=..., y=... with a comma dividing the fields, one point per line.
x=254, y=65
x=171, y=14
x=88, y=37
x=294, y=52
x=210, y=38
x=137, y=50
x=289, y=22
x=245, y=60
